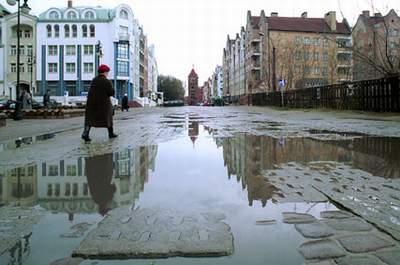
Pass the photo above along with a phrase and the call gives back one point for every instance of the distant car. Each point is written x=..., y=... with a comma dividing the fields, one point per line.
x=174, y=103
x=6, y=104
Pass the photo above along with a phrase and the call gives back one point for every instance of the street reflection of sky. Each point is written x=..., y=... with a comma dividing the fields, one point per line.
x=194, y=172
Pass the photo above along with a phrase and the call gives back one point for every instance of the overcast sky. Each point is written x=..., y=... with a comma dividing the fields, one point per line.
x=193, y=32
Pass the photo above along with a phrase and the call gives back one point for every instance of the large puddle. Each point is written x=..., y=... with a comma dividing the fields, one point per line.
x=195, y=172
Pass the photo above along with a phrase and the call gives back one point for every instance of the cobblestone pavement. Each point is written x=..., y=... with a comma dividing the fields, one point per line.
x=329, y=181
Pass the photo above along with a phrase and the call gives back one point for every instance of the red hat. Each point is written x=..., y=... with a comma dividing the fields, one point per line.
x=103, y=68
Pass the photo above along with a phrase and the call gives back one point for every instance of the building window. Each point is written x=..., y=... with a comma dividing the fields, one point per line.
x=85, y=189
x=30, y=50
x=70, y=50
x=71, y=170
x=13, y=50
x=21, y=68
x=56, y=31
x=70, y=68
x=53, y=68
x=307, y=70
x=325, y=71
x=52, y=50
x=326, y=43
x=54, y=15
x=71, y=15
x=48, y=31
x=123, y=50
x=28, y=34
x=88, y=49
x=13, y=68
x=92, y=31
x=75, y=189
x=89, y=15
x=123, y=68
x=74, y=31
x=317, y=42
x=326, y=56
x=317, y=70
x=316, y=56
x=57, y=190
x=22, y=50
x=306, y=55
x=66, y=30
x=49, y=190
x=30, y=68
x=123, y=14
x=67, y=189
x=88, y=68
x=393, y=32
x=53, y=170
x=297, y=40
x=343, y=70
x=84, y=31
x=307, y=41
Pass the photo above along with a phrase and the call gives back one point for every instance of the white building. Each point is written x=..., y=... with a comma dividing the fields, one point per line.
x=27, y=50
x=152, y=72
x=73, y=41
x=3, y=12
x=217, y=81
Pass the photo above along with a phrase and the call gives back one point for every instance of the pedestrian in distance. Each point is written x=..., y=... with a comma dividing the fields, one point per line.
x=98, y=112
x=46, y=99
x=26, y=99
x=125, y=105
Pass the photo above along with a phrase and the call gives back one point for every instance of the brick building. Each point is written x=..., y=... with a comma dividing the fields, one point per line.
x=193, y=86
x=376, y=45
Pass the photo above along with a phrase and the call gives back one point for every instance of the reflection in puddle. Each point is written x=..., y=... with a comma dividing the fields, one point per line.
x=14, y=144
x=194, y=172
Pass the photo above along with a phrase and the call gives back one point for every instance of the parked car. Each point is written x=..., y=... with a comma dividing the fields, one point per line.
x=39, y=105
x=6, y=104
x=174, y=103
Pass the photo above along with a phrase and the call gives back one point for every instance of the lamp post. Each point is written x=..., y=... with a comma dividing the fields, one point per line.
x=18, y=106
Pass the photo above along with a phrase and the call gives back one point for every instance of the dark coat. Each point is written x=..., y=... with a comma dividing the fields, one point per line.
x=99, y=173
x=98, y=105
x=125, y=102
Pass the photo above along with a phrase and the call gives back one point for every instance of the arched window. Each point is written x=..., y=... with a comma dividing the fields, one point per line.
x=56, y=31
x=66, y=30
x=48, y=31
x=92, y=31
x=89, y=15
x=84, y=31
x=74, y=31
x=71, y=15
x=123, y=14
x=54, y=15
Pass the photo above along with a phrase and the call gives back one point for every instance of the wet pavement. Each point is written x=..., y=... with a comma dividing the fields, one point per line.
x=269, y=188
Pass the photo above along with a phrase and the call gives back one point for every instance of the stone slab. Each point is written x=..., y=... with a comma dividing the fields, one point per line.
x=297, y=218
x=314, y=230
x=364, y=243
x=157, y=233
x=336, y=214
x=390, y=256
x=349, y=224
x=363, y=260
x=321, y=249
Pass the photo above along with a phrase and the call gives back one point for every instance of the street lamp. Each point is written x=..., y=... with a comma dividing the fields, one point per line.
x=18, y=106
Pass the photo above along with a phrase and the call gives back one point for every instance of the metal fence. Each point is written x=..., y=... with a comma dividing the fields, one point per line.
x=380, y=95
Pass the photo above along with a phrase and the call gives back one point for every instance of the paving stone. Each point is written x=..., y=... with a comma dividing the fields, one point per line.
x=157, y=233
x=364, y=260
x=322, y=262
x=390, y=256
x=364, y=243
x=297, y=218
x=314, y=230
x=349, y=224
x=68, y=261
x=336, y=214
x=321, y=249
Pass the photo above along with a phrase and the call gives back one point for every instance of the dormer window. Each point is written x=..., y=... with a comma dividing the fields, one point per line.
x=123, y=14
x=54, y=15
x=71, y=15
x=89, y=15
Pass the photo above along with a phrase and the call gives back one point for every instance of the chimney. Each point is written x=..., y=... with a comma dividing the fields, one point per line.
x=69, y=3
x=274, y=14
x=304, y=15
x=330, y=18
x=366, y=13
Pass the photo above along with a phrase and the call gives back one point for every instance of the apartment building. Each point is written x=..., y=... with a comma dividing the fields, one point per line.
x=376, y=45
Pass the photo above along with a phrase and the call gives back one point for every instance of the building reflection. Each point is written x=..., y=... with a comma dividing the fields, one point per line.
x=247, y=156
x=193, y=131
x=80, y=185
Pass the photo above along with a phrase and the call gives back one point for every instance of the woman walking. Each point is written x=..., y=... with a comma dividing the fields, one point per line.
x=98, y=106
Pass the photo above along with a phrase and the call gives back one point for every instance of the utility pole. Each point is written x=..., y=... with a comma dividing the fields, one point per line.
x=274, y=68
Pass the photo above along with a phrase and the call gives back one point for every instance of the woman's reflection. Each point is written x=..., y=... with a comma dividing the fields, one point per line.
x=99, y=172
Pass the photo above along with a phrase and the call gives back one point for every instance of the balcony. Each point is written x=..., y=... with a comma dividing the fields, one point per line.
x=123, y=36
